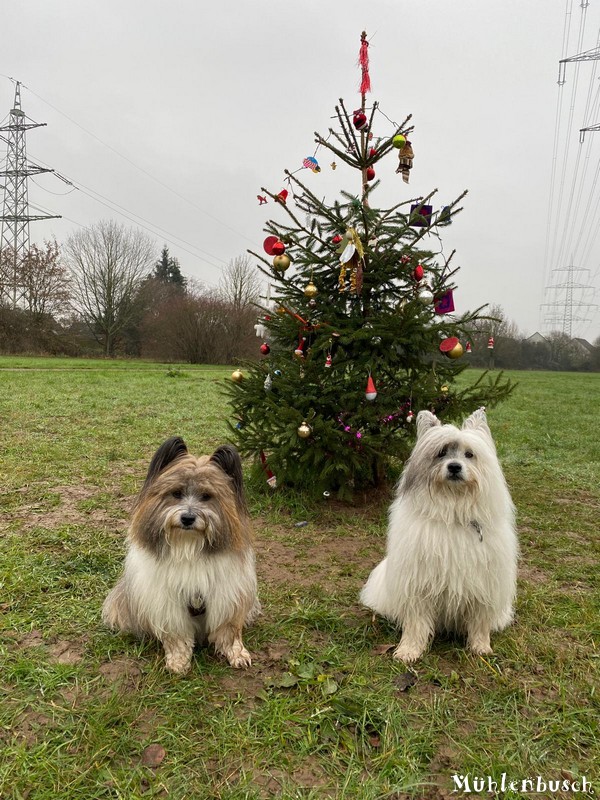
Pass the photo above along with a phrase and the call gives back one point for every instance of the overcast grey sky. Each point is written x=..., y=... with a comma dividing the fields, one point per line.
x=179, y=112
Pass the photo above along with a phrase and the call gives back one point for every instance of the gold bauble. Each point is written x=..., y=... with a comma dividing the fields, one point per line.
x=444, y=389
x=456, y=351
x=310, y=290
x=237, y=376
x=281, y=263
x=304, y=430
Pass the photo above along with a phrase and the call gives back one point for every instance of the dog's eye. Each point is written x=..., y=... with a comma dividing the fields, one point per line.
x=205, y=497
x=443, y=452
x=177, y=494
x=468, y=454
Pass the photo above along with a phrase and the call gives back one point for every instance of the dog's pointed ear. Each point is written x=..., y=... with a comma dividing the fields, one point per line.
x=228, y=459
x=168, y=452
x=425, y=421
x=477, y=422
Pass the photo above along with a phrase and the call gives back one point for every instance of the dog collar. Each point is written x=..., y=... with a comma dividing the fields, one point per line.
x=477, y=527
x=196, y=611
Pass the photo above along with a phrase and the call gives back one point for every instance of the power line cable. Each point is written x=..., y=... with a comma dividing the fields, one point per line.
x=137, y=166
x=565, y=162
x=582, y=177
x=82, y=188
x=585, y=218
x=87, y=227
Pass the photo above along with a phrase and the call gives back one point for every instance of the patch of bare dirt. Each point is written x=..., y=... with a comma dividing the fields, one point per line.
x=122, y=671
x=66, y=652
x=148, y=723
x=315, y=560
x=251, y=682
x=32, y=639
x=68, y=511
x=431, y=793
x=63, y=651
x=305, y=776
x=31, y=726
x=583, y=498
x=532, y=574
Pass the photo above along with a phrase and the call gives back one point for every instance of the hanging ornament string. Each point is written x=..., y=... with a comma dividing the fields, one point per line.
x=365, y=86
x=310, y=162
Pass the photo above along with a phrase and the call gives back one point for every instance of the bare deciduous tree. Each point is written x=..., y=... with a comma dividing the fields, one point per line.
x=108, y=263
x=44, y=281
x=240, y=285
x=240, y=288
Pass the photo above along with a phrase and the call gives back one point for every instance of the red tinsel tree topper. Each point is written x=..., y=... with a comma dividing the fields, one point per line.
x=363, y=60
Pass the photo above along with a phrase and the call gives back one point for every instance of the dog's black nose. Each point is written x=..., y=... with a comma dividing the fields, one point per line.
x=454, y=467
x=187, y=520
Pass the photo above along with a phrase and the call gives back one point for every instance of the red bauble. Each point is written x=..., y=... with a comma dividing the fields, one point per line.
x=268, y=245
x=278, y=248
x=418, y=273
x=372, y=152
x=337, y=239
x=359, y=120
x=370, y=173
x=265, y=349
x=447, y=345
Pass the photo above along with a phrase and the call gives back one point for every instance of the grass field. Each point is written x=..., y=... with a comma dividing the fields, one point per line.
x=323, y=712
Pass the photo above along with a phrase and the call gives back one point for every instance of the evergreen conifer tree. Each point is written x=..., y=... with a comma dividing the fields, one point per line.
x=355, y=338
x=167, y=270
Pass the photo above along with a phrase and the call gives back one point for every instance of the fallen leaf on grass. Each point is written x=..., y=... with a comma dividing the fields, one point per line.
x=382, y=649
x=285, y=681
x=404, y=681
x=329, y=686
x=153, y=755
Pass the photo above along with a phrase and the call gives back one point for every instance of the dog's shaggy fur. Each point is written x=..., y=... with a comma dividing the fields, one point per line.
x=452, y=550
x=189, y=573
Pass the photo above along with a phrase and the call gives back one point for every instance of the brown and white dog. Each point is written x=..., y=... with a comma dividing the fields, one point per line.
x=189, y=574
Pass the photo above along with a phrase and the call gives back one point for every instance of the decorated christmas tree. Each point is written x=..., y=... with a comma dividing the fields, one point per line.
x=358, y=330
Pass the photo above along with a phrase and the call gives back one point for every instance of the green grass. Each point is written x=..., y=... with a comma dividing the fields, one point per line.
x=320, y=713
x=64, y=362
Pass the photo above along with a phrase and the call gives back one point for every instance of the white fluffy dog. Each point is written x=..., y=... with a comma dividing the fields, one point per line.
x=452, y=549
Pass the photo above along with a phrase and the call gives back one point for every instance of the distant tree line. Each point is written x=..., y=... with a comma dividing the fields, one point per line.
x=105, y=292
x=553, y=351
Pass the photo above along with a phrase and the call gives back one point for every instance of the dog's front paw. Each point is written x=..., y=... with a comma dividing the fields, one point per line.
x=238, y=657
x=481, y=648
x=178, y=655
x=478, y=640
x=178, y=666
x=408, y=652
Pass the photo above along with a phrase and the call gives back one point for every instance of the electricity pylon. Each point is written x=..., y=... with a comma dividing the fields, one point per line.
x=569, y=302
x=14, y=239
